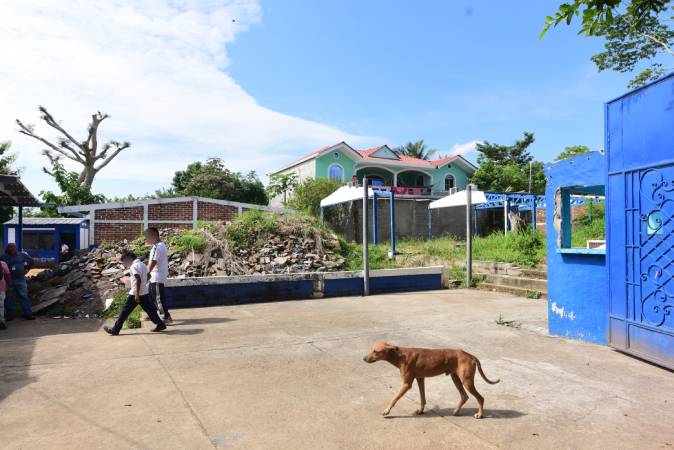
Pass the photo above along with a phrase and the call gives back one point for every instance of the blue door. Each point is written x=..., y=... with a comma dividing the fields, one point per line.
x=640, y=222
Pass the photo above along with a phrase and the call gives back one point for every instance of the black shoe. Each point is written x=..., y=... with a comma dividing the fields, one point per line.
x=29, y=317
x=3, y=326
x=110, y=331
x=9, y=319
x=160, y=327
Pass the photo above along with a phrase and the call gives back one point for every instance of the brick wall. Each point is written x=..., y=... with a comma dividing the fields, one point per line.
x=175, y=226
x=134, y=213
x=170, y=211
x=116, y=231
x=214, y=211
x=160, y=215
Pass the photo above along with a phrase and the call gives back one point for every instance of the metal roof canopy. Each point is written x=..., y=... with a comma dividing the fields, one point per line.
x=14, y=193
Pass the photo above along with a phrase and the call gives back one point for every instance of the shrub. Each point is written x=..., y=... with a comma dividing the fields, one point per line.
x=308, y=194
x=251, y=227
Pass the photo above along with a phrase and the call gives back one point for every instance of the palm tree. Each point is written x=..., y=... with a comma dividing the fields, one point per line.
x=416, y=150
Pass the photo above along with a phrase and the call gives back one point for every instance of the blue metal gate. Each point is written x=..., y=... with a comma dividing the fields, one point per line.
x=640, y=222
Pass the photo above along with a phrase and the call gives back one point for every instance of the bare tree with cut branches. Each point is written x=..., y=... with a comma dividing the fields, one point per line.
x=85, y=152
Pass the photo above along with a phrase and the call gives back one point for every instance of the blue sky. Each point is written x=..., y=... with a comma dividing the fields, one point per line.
x=448, y=72
x=261, y=82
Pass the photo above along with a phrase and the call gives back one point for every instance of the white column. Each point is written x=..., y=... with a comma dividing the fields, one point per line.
x=195, y=213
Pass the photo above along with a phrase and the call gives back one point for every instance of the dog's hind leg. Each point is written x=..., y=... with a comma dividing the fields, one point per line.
x=462, y=393
x=422, y=393
x=469, y=383
x=407, y=384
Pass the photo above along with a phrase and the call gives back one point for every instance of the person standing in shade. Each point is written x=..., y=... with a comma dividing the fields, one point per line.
x=19, y=263
x=5, y=282
x=158, y=272
x=138, y=295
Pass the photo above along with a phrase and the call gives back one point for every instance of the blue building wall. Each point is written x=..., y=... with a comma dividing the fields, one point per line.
x=56, y=230
x=577, y=279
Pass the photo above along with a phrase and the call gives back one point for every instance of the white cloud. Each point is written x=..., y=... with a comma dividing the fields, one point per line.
x=463, y=149
x=158, y=67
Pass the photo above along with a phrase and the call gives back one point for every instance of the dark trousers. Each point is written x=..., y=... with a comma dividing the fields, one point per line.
x=145, y=303
x=159, y=298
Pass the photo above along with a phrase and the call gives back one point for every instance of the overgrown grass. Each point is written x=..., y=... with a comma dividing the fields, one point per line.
x=526, y=248
x=187, y=241
x=581, y=233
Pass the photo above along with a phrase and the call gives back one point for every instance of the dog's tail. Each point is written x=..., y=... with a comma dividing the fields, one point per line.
x=484, y=377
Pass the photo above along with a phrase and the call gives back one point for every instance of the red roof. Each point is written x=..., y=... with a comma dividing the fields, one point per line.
x=367, y=154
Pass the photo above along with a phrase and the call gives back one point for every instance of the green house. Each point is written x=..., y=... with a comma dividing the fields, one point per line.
x=383, y=167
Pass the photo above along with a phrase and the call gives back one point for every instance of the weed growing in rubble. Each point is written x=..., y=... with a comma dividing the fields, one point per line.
x=187, y=241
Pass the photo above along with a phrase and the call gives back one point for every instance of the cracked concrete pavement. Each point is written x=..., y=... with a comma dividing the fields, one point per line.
x=289, y=375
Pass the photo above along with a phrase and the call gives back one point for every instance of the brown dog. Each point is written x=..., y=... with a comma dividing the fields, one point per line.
x=421, y=363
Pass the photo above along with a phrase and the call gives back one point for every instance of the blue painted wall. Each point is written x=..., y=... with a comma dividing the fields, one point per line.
x=58, y=229
x=577, y=283
x=197, y=294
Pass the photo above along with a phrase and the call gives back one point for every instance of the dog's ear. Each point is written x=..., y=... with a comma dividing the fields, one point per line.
x=396, y=349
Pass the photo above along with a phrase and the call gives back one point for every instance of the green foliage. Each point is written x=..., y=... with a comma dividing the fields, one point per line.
x=532, y=294
x=585, y=228
x=307, y=195
x=377, y=256
x=187, y=241
x=526, y=248
x=251, y=227
x=213, y=180
x=159, y=193
x=417, y=149
x=573, y=150
x=281, y=184
x=73, y=192
x=6, y=161
x=505, y=168
x=635, y=31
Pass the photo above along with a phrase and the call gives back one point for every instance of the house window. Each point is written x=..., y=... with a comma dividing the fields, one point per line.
x=420, y=181
x=335, y=155
x=336, y=172
x=450, y=182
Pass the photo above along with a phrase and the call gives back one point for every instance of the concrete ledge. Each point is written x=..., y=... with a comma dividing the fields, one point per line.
x=211, y=291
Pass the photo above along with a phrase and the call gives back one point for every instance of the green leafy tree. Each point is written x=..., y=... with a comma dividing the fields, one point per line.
x=417, y=149
x=281, y=184
x=573, y=150
x=507, y=168
x=213, y=180
x=73, y=192
x=308, y=194
x=635, y=31
x=6, y=161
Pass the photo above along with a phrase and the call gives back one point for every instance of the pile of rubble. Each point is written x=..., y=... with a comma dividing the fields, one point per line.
x=83, y=284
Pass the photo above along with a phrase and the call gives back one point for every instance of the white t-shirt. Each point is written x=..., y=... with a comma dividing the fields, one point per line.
x=138, y=268
x=159, y=253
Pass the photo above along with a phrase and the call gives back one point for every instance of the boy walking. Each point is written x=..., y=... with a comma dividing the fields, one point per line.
x=5, y=282
x=138, y=295
x=158, y=272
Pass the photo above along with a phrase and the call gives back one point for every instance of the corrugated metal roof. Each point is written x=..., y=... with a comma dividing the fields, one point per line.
x=47, y=221
x=14, y=193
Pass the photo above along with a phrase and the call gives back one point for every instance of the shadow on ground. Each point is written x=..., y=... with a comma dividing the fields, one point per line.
x=468, y=412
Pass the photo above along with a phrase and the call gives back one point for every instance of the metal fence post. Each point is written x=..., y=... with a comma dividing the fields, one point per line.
x=375, y=221
x=392, y=210
x=366, y=259
x=469, y=236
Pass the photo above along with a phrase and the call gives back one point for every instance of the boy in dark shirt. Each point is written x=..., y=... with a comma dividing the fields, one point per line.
x=19, y=263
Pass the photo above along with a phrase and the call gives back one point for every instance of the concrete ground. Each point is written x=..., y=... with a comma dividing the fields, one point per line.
x=290, y=375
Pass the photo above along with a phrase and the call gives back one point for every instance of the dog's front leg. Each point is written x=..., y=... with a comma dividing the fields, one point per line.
x=407, y=384
x=422, y=394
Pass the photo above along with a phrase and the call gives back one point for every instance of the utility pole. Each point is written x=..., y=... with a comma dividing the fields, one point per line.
x=366, y=259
